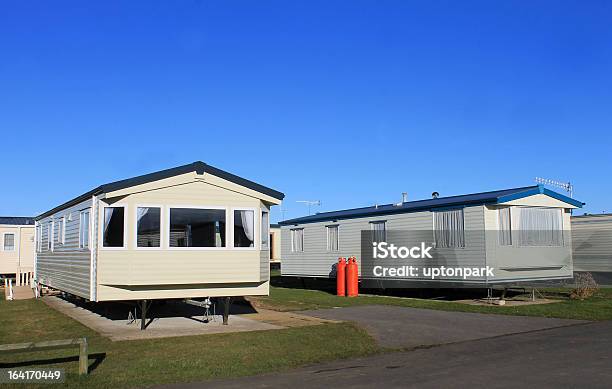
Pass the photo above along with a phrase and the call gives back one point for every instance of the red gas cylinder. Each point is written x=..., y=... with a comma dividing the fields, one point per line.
x=352, y=278
x=341, y=277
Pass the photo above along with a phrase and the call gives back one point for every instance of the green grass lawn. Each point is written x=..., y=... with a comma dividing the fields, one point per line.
x=598, y=307
x=141, y=363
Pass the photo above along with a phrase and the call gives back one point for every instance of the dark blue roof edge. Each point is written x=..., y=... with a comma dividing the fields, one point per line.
x=198, y=166
x=17, y=220
x=380, y=212
x=540, y=190
x=521, y=192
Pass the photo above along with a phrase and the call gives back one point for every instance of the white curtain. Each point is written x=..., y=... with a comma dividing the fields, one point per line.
x=540, y=226
x=332, y=238
x=84, y=230
x=297, y=239
x=448, y=229
x=265, y=230
x=248, y=222
x=379, y=231
x=505, y=227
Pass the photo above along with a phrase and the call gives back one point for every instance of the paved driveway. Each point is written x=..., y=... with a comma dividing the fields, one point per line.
x=401, y=327
x=575, y=356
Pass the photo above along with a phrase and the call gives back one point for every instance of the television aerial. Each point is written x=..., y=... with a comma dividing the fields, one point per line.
x=567, y=186
x=310, y=203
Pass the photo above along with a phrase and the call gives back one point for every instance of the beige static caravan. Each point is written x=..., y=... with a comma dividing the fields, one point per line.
x=17, y=248
x=186, y=232
x=275, y=244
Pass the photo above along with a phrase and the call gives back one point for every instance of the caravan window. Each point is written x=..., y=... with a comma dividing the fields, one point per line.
x=38, y=239
x=448, y=229
x=61, y=229
x=9, y=242
x=50, y=236
x=265, y=230
x=84, y=229
x=244, y=228
x=540, y=226
x=195, y=227
x=505, y=226
x=148, y=226
x=332, y=238
x=114, y=227
x=297, y=240
x=379, y=231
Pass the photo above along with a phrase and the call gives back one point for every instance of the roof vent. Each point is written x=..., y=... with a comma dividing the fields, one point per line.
x=435, y=195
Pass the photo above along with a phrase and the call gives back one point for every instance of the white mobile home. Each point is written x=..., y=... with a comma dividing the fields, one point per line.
x=592, y=246
x=189, y=231
x=17, y=248
x=523, y=233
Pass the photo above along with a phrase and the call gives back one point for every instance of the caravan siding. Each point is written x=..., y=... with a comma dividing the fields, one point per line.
x=316, y=261
x=65, y=266
x=592, y=243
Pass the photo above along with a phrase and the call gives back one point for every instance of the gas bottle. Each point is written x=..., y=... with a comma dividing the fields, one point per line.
x=341, y=277
x=352, y=278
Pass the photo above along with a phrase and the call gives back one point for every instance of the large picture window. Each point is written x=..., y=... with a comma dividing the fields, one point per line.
x=114, y=227
x=540, y=226
x=448, y=229
x=244, y=228
x=193, y=227
x=148, y=226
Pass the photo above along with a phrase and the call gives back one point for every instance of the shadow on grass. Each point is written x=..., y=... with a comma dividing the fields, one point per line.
x=97, y=357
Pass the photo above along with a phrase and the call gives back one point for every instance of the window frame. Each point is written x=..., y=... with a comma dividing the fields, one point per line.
x=49, y=245
x=125, y=227
x=292, y=233
x=499, y=226
x=265, y=246
x=561, y=230
x=327, y=229
x=52, y=237
x=4, y=234
x=161, y=226
x=374, y=222
x=38, y=232
x=256, y=232
x=61, y=231
x=228, y=231
x=433, y=230
x=89, y=229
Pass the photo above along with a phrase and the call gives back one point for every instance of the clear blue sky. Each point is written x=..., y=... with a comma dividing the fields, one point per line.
x=349, y=102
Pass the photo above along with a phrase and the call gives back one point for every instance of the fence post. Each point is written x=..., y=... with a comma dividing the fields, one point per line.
x=83, y=356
